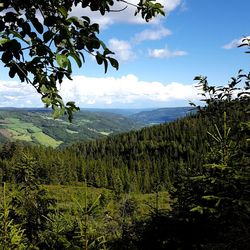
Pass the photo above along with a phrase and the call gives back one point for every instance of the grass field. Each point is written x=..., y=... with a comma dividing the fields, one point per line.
x=72, y=131
x=45, y=140
x=27, y=131
x=39, y=127
x=23, y=137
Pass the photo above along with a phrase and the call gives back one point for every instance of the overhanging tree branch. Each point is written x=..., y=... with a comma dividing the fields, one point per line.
x=55, y=39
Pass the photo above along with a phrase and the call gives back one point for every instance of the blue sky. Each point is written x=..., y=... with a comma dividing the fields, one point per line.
x=158, y=60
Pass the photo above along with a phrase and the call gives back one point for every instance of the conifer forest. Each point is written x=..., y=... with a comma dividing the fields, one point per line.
x=183, y=184
x=170, y=186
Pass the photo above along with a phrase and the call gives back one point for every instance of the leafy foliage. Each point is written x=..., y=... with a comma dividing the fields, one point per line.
x=39, y=40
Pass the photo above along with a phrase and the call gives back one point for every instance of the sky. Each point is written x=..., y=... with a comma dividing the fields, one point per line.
x=158, y=60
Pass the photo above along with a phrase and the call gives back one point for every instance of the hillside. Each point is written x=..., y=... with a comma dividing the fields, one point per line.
x=112, y=177
x=135, y=161
x=37, y=125
x=161, y=115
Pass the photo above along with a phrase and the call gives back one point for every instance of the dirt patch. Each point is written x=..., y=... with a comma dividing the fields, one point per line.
x=3, y=121
x=5, y=132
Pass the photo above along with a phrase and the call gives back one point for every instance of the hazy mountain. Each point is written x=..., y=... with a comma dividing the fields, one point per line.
x=161, y=115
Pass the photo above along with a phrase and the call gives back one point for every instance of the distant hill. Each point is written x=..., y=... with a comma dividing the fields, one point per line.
x=161, y=115
x=120, y=111
x=36, y=125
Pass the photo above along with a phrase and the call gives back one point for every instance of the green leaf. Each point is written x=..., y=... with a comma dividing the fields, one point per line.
x=56, y=112
x=18, y=35
x=107, y=51
x=13, y=71
x=198, y=78
x=105, y=66
x=44, y=89
x=62, y=60
x=41, y=50
x=60, y=101
x=95, y=27
x=47, y=36
x=37, y=25
x=198, y=209
x=77, y=59
x=6, y=57
x=69, y=67
x=76, y=21
x=103, y=45
x=70, y=103
x=198, y=178
x=99, y=58
x=50, y=20
x=3, y=41
x=63, y=11
x=86, y=18
x=70, y=108
x=114, y=63
x=46, y=100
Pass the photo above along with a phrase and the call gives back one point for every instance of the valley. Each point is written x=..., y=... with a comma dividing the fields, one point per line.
x=114, y=159
x=37, y=126
x=130, y=190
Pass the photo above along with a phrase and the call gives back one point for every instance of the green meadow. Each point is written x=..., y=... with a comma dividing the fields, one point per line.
x=27, y=131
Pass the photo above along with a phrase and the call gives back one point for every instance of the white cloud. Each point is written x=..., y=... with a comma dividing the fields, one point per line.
x=14, y=94
x=123, y=50
x=150, y=34
x=235, y=43
x=166, y=53
x=170, y=5
x=126, y=16
x=126, y=90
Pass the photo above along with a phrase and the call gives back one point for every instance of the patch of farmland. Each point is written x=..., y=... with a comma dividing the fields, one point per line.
x=45, y=140
x=5, y=132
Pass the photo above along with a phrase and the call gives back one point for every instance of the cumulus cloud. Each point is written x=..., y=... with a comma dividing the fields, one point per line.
x=126, y=16
x=235, y=43
x=170, y=5
x=14, y=94
x=166, y=53
x=152, y=34
x=123, y=50
x=124, y=91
